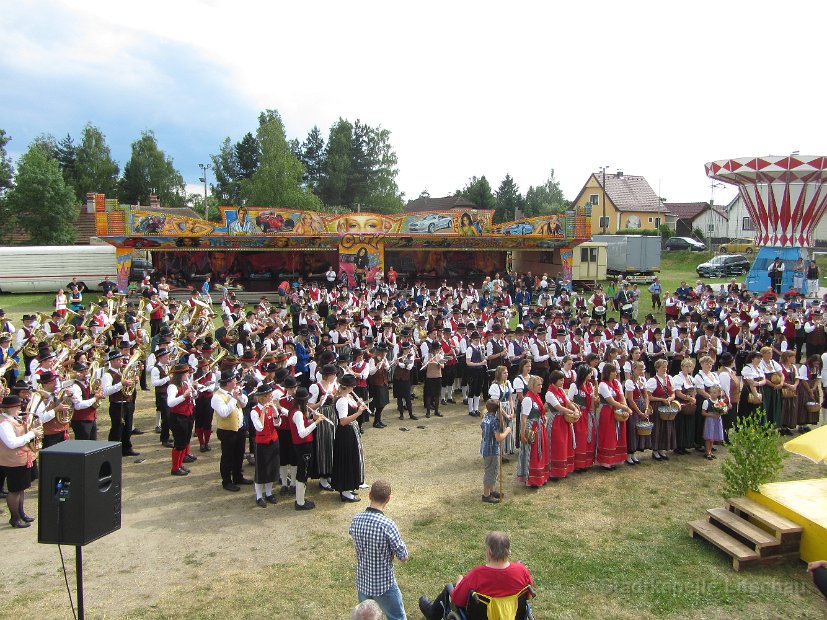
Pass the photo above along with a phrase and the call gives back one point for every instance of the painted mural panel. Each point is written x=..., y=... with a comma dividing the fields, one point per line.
x=362, y=258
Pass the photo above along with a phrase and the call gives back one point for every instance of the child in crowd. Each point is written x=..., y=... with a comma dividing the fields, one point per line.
x=713, y=409
x=493, y=435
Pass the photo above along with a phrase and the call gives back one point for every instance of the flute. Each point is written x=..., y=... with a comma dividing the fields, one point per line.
x=322, y=402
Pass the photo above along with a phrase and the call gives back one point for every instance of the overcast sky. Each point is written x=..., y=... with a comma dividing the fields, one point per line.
x=466, y=88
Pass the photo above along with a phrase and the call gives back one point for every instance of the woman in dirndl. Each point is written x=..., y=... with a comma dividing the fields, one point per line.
x=17, y=459
x=323, y=399
x=559, y=429
x=661, y=394
x=731, y=386
x=501, y=390
x=348, y=454
x=771, y=390
x=704, y=380
x=809, y=375
x=638, y=399
x=265, y=419
x=611, y=433
x=581, y=393
x=532, y=469
x=789, y=393
x=686, y=396
x=753, y=385
x=520, y=385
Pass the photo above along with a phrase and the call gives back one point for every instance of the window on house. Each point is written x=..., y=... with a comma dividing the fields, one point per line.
x=650, y=220
x=594, y=199
x=746, y=223
x=592, y=255
x=584, y=255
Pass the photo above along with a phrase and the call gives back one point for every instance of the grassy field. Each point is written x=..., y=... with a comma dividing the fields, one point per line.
x=600, y=545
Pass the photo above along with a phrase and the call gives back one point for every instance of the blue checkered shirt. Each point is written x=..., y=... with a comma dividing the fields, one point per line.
x=377, y=540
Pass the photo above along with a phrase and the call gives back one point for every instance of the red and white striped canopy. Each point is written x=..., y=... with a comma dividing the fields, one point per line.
x=785, y=196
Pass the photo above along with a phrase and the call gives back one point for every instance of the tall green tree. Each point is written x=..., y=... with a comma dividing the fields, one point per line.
x=337, y=165
x=247, y=155
x=94, y=168
x=150, y=170
x=67, y=159
x=227, y=184
x=278, y=180
x=6, y=176
x=545, y=199
x=312, y=156
x=382, y=192
x=508, y=200
x=41, y=203
x=478, y=191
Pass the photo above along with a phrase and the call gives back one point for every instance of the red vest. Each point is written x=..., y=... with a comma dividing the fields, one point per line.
x=90, y=413
x=269, y=417
x=294, y=433
x=185, y=407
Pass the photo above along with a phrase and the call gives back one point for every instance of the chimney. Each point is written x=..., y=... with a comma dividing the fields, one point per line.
x=619, y=174
x=154, y=201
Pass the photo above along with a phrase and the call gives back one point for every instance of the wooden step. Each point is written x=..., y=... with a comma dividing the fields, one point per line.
x=774, y=522
x=759, y=538
x=740, y=553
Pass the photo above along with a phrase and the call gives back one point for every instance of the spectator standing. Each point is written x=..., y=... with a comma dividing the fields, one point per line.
x=655, y=289
x=377, y=542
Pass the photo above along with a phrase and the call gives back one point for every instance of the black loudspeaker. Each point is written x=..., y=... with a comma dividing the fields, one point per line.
x=79, y=492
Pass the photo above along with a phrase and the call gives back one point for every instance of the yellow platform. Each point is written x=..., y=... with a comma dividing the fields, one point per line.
x=804, y=502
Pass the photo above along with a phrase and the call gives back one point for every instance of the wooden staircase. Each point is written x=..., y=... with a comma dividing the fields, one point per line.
x=751, y=534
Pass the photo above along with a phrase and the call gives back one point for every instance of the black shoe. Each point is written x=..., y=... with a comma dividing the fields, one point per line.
x=137, y=431
x=438, y=414
x=190, y=458
x=186, y=469
x=231, y=486
x=261, y=503
x=664, y=457
x=452, y=401
x=27, y=518
x=307, y=505
x=377, y=425
x=413, y=417
x=464, y=401
x=401, y=416
x=3, y=494
x=430, y=610
x=202, y=449
x=207, y=448
x=283, y=490
x=19, y=523
x=802, y=429
x=490, y=499
x=131, y=453
x=271, y=499
x=167, y=444
x=495, y=494
x=427, y=414
x=179, y=472
x=656, y=456
x=158, y=429
x=349, y=499
x=244, y=481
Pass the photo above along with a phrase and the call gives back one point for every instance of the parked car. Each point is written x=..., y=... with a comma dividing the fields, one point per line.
x=521, y=228
x=724, y=265
x=430, y=223
x=685, y=243
x=739, y=246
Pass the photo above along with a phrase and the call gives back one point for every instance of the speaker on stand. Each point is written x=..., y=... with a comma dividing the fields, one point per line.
x=79, y=497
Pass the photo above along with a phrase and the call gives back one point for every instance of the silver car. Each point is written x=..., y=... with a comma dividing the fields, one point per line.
x=430, y=223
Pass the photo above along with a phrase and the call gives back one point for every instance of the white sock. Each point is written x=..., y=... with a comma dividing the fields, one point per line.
x=300, y=487
x=325, y=482
x=268, y=489
x=464, y=391
x=259, y=488
x=158, y=418
x=476, y=403
x=291, y=473
x=284, y=473
x=348, y=495
x=470, y=405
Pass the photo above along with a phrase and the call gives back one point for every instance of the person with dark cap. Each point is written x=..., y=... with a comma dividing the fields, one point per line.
x=227, y=402
x=54, y=431
x=206, y=382
x=301, y=434
x=121, y=404
x=348, y=454
x=181, y=403
x=265, y=418
x=8, y=353
x=433, y=365
x=287, y=456
x=477, y=366
x=16, y=458
x=405, y=357
x=322, y=398
x=378, y=374
x=85, y=404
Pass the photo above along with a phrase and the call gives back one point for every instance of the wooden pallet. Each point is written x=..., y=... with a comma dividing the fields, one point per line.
x=751, y=534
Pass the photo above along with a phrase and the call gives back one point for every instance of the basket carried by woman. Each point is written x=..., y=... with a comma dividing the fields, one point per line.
x=621, y=415
x=812, y=407
x=668, y=412
x=644, y=428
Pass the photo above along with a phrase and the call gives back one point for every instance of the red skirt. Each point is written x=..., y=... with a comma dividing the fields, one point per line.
x=538, y=458
x=611, y=438
x=584, y=450
x=561, y=450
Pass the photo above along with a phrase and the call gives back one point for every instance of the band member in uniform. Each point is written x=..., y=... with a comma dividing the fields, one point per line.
x=54, y=431
x=434, y=364
x=661, y=393
x=227, y=402
x=265, y=418
x=405, y=359
x=121, y=406
x=205, y=385
x=477, y=367
x=85, y=404
x=16, y=458
x=287, y=456
x=301, y=433
x=159, y=377
x=348, y=455
x=378, y=383
x=181, y=403
x=323, y=399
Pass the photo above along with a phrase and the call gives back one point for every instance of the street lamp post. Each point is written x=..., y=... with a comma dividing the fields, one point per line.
x=603, y=201
x=203, y=179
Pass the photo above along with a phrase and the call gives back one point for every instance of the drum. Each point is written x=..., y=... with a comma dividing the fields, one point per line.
x=627, y=307
x=600, y=309
x=644, y=428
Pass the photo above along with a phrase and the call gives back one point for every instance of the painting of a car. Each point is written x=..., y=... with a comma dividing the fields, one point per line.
x=430, y=223
x=270, y=221
x=150, y=224
x=520, y=228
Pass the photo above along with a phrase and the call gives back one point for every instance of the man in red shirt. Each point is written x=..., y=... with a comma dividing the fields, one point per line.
x=498, y=577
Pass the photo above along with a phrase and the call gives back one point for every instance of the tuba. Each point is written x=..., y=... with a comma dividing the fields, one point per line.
x=131, y=371
x=5, y=367
x=32, y=422
x=31, y=348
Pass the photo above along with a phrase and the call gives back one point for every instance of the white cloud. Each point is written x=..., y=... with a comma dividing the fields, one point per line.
x=472, y=88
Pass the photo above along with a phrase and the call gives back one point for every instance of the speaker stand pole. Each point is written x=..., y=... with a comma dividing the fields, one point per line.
x=79, y=576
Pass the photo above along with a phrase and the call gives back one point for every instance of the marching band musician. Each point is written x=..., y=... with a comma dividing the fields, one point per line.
x=159, y=378
x=302, y=436
x=53, y=430
x=540, y=355
x=23, y=336
x=322, y=399
x=85, y=404
x=378, y=373
x=205, y=385
x=227, y=402
x=360, y=369
x=16, y=459
x=287, y=455
x=266, y=418
x=121, y=406
x=433, y=364
x=475, y=361
x=405, y=359
x=181, y=404
x=348, y=454
x=7, y=353
x=448, y=342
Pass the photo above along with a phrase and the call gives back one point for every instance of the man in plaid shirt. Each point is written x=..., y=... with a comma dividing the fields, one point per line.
x=377, y=541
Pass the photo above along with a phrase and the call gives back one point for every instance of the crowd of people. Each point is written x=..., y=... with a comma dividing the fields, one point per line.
x=562, y=386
